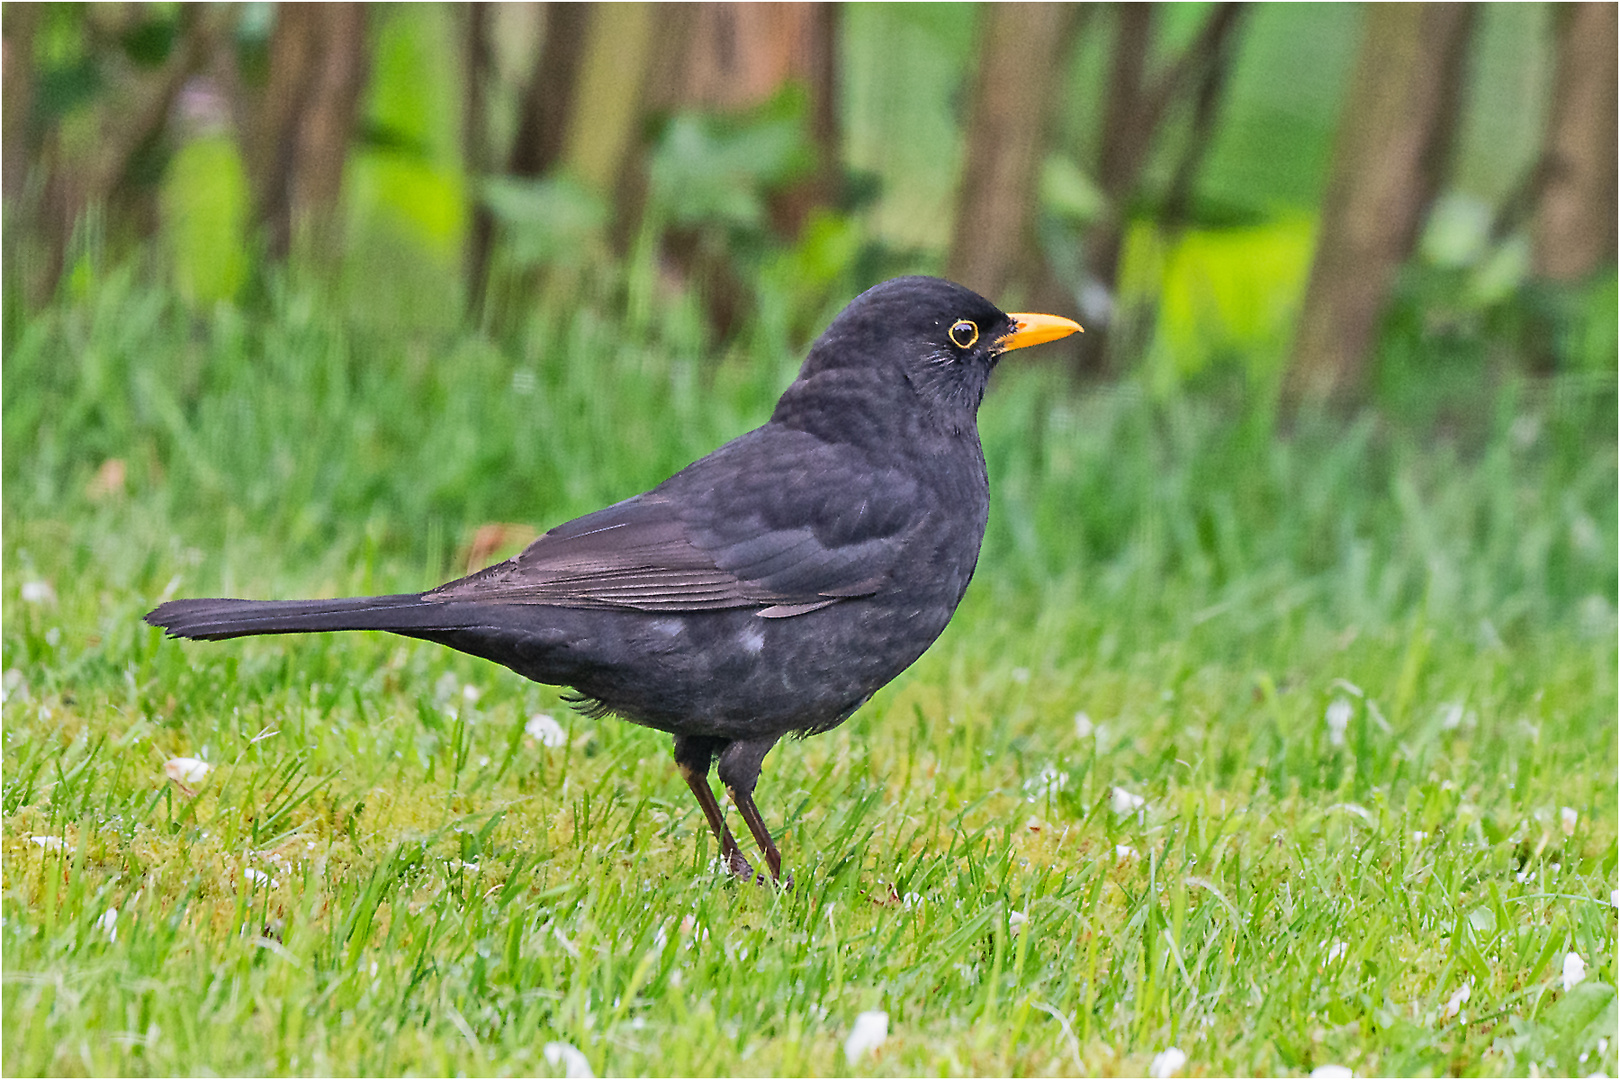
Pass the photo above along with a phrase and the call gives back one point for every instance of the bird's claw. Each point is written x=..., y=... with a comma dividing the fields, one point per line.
x=737, y=866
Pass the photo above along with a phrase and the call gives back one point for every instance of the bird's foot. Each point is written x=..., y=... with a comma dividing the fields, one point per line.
x=737, y=865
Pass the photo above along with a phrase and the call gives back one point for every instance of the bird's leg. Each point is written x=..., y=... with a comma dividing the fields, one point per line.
x=739, y=770
x=693, y=756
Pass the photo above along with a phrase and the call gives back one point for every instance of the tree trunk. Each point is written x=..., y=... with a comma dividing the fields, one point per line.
x=17, y=76
x=1123, y=149
x=549, y=102
x=477, y=158
x=131, y=117
x=1013, y=93
x=605, y=122
x=741, y=54
x=1394, y=137
x=301, y=137
x=1206, y=110
x=1133, y=119
x=1575, y=215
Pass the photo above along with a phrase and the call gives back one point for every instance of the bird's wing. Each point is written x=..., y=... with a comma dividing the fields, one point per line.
x=777, y=520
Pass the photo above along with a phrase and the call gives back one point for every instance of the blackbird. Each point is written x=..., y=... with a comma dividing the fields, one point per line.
x=769, y=588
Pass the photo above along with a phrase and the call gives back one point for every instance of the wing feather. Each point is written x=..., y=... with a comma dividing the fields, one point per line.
x=777, y=520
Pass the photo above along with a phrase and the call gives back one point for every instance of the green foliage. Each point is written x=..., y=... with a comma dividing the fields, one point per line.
x=205, y=212
x=1355, y=669
x=715, y=170
x=549, y=222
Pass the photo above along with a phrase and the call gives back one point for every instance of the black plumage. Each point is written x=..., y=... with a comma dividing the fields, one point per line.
x=768, y=588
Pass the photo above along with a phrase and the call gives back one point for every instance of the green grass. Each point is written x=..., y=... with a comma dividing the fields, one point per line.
x=441, y=894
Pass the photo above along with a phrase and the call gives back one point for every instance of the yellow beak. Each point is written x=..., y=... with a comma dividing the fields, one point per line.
x=1034, y=329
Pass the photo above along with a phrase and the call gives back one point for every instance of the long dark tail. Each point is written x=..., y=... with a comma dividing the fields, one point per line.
x=214, y=620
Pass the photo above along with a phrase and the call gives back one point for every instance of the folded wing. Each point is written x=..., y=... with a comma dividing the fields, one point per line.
x=776, y=520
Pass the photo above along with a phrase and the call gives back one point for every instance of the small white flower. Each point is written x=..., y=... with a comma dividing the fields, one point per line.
x=1050, y=781
x=1568, y=818
x=187, y=770
x=1455, y=1002
x=1083, y=727
x=54, y=843
x=1614, y=898
x=1338, y=719
x=870, y=1029
x=255, y=877
x=1337, y=950
x=1331, y=1072
x=1016, y=920
x=1123, y=802
x=1123, y=852
x=575, y=1066
x=1419, y=836
x=38, y=592
x=1167, y=1063
x=545, y=730
x=108, y=924
x=911, y=900
x=1574, y=970
x=470, y=694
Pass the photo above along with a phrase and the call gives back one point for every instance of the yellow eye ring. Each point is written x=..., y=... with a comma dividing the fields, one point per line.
x=964, y=334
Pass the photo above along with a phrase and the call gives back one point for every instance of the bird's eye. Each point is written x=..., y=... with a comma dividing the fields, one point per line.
x=964, y=333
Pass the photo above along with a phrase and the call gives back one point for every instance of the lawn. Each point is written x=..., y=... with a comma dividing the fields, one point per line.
x=1284, y=742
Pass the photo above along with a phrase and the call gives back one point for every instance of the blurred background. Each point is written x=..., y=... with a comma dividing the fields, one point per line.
x=1328, y=197
x=1320, y=514
x=337, y=292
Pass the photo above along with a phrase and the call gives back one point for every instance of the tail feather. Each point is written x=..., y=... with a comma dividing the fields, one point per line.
x=217, y=619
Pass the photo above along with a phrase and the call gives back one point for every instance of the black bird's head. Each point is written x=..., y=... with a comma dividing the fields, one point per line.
x=924, y=335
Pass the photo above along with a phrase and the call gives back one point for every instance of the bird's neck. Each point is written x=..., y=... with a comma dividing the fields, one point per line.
x=864, y=409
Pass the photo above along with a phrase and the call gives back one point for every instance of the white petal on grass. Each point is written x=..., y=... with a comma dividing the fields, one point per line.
x=1568, y=818
x=1016, y=920
x=1167, y=1063
x=1574, y=970
x=1614, y=898
x=1337, y=950
x=1123, y=802
x=1331, y=1072
x=1455, y=1002
x=1050, y=781
x=870, y=1029
x=1338, y=719
x=108, y=924
x=38, y=592
x=1083, y=727
x=258, y=877
x=54, y=843
x=1123, y=852
x=575, y=1066
x=187, y=770
x=544, y=729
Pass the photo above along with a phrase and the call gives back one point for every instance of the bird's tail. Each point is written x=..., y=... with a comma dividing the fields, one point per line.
x=215, y=620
